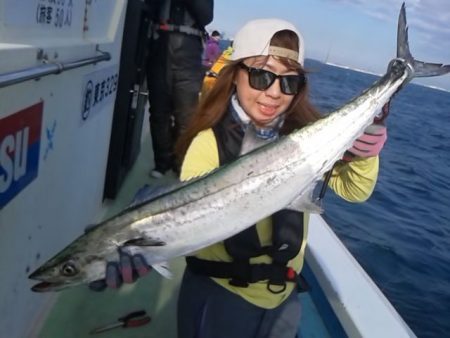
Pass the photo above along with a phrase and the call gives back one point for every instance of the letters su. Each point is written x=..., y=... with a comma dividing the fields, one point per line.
x=13, y=158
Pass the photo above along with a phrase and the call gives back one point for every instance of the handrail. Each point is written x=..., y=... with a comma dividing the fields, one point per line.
x=48, y=68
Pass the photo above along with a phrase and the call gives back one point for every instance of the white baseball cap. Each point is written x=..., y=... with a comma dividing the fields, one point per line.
x=254, y=39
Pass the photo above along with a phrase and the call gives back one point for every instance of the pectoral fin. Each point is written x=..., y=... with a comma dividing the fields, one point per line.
x=163, y=270
x=306, y=203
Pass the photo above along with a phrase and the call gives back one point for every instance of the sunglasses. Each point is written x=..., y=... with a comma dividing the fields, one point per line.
x=261, y=79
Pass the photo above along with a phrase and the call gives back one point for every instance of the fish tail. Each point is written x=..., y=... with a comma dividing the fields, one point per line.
x=419, y=68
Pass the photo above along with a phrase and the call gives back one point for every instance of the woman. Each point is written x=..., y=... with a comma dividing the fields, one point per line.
x=264, y=85
x=246, y=286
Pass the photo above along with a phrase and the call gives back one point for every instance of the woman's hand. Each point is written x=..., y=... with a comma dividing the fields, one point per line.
x=371, y=142
x=127, y=270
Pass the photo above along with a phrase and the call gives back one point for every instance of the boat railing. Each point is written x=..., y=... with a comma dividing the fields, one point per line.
x=49, y=68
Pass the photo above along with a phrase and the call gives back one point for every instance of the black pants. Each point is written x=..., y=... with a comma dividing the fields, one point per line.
x=174, y=77
x=207, y=310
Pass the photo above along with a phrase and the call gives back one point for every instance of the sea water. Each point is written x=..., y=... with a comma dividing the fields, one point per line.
x=401, y=235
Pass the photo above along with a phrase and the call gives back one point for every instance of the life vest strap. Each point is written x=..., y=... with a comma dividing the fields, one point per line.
x=241, y=273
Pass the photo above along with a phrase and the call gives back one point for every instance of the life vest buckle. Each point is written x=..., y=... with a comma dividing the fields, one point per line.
x=271, y=287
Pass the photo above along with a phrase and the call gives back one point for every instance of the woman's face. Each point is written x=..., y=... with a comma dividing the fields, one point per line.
x=263, y=106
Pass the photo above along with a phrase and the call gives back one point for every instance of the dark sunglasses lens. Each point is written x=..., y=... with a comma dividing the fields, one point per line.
x=292, y=84
x=261, y=79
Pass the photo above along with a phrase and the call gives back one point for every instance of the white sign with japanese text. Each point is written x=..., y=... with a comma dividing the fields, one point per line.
x=99, y=88
x=52, y=14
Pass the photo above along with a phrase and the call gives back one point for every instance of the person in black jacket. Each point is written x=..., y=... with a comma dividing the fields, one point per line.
x=174, y=73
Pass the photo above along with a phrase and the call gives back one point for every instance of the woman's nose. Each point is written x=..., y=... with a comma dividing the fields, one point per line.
x=274, y=90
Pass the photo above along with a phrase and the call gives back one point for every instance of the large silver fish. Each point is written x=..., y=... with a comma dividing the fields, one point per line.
x=278, y=175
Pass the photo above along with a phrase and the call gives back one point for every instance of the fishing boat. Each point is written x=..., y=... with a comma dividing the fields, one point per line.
x=74, y=149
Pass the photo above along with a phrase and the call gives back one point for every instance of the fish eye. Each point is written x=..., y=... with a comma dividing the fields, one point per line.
x=69, y=269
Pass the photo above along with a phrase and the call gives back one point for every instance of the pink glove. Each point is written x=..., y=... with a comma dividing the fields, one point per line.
x=370, y=142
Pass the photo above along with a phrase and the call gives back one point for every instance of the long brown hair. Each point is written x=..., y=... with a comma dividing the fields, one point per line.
x=214, y=104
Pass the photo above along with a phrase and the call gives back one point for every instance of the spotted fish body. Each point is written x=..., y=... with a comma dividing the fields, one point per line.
x=204, y=211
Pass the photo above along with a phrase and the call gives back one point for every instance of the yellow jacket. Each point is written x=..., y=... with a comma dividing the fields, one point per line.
x=210, y=78
x=353, y=181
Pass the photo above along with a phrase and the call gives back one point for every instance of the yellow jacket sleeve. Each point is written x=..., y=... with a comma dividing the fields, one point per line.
x=354, y=181
x=201, y=156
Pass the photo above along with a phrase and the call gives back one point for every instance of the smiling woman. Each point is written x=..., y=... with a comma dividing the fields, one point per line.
x=260, y=95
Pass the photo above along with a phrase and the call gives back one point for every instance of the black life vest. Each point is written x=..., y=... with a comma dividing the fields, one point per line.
x=287, y=233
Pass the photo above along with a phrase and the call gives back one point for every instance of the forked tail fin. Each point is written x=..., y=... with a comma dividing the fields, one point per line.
x=420, y=69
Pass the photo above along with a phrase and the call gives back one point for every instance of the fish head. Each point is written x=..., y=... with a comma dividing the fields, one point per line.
x=69, y=268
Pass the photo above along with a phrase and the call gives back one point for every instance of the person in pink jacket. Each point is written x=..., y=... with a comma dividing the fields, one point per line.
x=212, y=50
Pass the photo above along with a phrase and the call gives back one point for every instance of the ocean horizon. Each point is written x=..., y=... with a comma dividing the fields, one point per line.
x=377, y=74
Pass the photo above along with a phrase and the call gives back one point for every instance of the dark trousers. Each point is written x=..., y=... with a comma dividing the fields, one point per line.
x=207, y=310
x=174, y=79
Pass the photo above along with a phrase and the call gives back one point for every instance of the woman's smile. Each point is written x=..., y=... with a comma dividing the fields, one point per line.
x=268, y=110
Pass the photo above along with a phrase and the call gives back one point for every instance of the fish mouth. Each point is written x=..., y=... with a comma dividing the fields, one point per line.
x=44, y=285
x=47, y=286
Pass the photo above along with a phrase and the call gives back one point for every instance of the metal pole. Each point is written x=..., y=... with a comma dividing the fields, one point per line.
x=11, y=78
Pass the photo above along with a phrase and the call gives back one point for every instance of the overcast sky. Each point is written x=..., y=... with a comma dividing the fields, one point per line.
x=356, y=33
